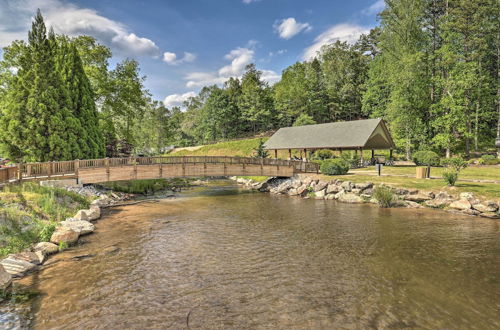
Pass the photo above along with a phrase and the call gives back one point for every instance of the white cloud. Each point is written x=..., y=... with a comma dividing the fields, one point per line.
x=278, y=52
x=177, y=99
x=344, y=32
x=171, y=58
x=289, y=27
x=71, y=20
x=250, y=1
x=240, y=58
x=375, y=8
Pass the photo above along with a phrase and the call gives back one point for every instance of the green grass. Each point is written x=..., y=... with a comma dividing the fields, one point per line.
x=241, y=148
x=471, y=173
x=146, y=187
x=255, y=178
x=29, y=214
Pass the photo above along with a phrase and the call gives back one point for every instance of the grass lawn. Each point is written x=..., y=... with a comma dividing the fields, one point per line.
x=471, y=173
x=241, y=148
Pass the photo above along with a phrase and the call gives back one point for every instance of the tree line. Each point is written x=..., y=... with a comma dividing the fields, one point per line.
x=431, y=69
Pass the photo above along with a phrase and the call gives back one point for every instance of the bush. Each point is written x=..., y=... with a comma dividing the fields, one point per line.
x=450, y=177
x=490, y=160
x=334, y=166
x=352, y=158
x=426, y=158
x=383, y=195
x=456, y=163
x=323, y=154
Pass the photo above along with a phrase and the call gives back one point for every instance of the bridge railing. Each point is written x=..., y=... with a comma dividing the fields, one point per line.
x=70, y=168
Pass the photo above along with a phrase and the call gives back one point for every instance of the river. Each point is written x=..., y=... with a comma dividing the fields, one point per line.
x=222, y=257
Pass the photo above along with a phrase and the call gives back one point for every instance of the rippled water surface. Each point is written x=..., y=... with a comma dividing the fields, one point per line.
x=220, y=257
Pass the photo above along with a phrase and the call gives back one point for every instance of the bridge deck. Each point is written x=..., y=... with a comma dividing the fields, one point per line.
x=133, y=168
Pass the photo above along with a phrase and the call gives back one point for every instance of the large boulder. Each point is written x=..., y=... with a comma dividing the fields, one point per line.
x=490, y=215
x=461, y=204
x=5, y=279
x=17, y=267
x=401, y=191
x=442, y=199
x=333, y=188
x=64, y=235
x=46, y=248
x=350, y=198
x=487, y=206
x=293, y=192
x=347, y=185
x=320, y=186
x=302, y=190
x=32, y=257
x=320, y=194
x=363, y=185
x=82, y=227
x=81, y=215
x=420, y=197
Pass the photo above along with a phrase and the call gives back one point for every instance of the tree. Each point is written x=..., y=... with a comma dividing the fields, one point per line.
x=304, y=119
x=260, y=152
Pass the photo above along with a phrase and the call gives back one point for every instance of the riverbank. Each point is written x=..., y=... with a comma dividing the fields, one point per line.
x=310, y=186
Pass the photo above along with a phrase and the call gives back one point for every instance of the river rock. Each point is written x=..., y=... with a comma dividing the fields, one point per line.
x=356, y=191
x=461, y=204
x=302, y=190
x=442, y=199
x=320, y=186
x=347, y=185
x=470, y=212
x=418, y=197
x=264, y=187
x=350, y=198
x=413, y=205
x=17, y=267
x=111, y=250
x=46, y=248
x=5, y=279
x=330, y=196
x=319, y=194
x=81, y=215
x=487, y=206
x=332, y=188
x=307, y=181
x=296, y=184
x=363, y=185
x=490, y=215
x=82, y=227
x=32, y=257
x=65, y=235
x=293, y=192
x=401, y=191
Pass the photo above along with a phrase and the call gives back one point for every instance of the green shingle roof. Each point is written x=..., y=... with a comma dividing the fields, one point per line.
x=369, y=133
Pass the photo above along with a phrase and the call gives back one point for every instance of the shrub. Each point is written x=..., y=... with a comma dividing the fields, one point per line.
x=450, y=177
x=456, y=163
x=260, y=152
x=323, y=154
x=352, y=158
x=383, y=195
x=426, y=158
x=334, y=166
x=490, y=160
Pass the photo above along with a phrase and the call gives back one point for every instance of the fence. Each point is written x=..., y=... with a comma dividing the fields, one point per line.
x=29, y=171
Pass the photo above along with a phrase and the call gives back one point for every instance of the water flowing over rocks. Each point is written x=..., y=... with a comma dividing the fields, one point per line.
x=350, y=192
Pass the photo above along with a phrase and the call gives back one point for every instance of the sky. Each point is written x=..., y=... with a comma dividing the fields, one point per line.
x=183, y=45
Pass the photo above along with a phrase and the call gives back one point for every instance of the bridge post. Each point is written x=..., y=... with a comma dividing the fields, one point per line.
x=106, y=162
x=135, y=168
x=19, y=174
x=51, y=165
x=161, y=169
x=76, y=168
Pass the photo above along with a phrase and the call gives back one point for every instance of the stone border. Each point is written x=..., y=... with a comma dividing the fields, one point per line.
x=66, y=234
x=350, y=192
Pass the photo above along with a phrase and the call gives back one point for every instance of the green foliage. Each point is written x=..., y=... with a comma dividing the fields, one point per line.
x=427, y=158
x=304, y=119
x=323, y=154
x=456, y=163
x=334, y=166
x=450, y=177
x=490, y=160
x=384, y=196
x=45, y=231
x=260, y=152
x=63, y=246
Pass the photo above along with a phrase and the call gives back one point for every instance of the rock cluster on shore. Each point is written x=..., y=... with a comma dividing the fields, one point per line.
x=350, y=192
x=66, y=233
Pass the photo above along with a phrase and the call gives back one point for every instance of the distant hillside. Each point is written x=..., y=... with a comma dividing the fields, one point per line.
x=242, y=148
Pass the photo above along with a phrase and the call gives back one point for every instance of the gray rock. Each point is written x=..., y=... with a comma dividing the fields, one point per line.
x=347, y=185
x=330, y=196
x=418, y=197
x=333, y=188
x=486, y=207
x=320, y=185
x=413, y=205
x=5, y=279
x=17, y=267
x=46, y=248
x=350, y=198
x=461, y=204
x=364, y=185
x=81, y=227
x=307, y=181
x=356, y=191
x=471, y=212
x=368, y=191
x=296, y=184
x=65, y=235
x=401, y=191
x=31, y=257
x=81, y=215
x=302, y=190
x=320, y=194
x=490, y=215
x=293, y=192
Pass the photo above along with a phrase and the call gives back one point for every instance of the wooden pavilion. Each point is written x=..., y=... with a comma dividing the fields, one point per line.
x=368, y=134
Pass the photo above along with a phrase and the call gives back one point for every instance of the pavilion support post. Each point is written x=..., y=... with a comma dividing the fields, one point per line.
x=340, y=151
x=305, y=154
x=373, y=153
x=276, y=153
x=289, y=153
x=362, y=160
x=390, y=154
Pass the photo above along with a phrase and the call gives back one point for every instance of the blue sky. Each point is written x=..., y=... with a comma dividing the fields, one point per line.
x=183, y=45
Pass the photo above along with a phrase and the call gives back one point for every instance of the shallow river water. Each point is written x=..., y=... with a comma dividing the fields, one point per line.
x=225, y=258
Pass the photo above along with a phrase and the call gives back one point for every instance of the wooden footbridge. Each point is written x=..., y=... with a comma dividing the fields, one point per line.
x=135, y=168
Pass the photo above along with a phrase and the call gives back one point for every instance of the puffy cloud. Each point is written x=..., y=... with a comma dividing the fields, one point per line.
x=375, y=8
x=344, y=32
x=240, y=58
x=171, y=58
x=289, y=27
x=177, y=99
x=249, y=1
x=71, y=20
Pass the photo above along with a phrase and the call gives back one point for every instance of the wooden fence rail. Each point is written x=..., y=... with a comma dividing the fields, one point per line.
x=28, y=171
